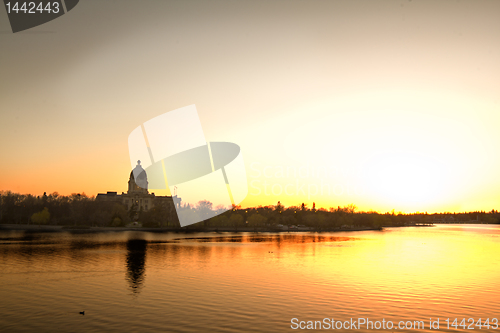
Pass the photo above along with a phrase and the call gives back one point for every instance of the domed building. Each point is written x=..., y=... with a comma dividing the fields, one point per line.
x=138, y=181
x=138, y=197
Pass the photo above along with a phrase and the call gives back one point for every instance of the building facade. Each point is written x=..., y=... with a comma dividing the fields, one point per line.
x=138, y=198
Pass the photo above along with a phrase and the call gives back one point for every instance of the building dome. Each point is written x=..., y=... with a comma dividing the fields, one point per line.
x=138, y=179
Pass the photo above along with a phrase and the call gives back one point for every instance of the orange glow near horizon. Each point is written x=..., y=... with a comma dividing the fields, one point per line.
x=368, y=150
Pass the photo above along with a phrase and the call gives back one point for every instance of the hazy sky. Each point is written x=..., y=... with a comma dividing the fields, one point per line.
x=384, y=104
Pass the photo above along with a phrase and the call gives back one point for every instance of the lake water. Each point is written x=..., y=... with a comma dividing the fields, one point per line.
x=147, y=282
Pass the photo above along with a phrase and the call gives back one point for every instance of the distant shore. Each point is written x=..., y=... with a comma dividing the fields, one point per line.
x=86, y=229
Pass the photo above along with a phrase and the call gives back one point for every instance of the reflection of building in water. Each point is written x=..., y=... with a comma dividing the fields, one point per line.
x=136, y=263
x=137, y=197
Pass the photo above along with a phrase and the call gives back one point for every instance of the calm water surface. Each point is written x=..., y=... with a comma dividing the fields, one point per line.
x=133, y=281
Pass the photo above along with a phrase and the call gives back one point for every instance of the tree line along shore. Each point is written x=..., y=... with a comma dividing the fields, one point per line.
x=81, y=211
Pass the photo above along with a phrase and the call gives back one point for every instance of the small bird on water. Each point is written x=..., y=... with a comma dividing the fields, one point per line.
x=82, y=312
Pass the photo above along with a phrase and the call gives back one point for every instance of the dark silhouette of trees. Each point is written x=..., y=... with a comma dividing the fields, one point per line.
x=204, y=210
x=75, y=209
x=257, y=220
x=80, y=210
x=236, y=220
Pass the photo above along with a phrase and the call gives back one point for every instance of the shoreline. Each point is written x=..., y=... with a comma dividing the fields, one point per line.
x=82, y=229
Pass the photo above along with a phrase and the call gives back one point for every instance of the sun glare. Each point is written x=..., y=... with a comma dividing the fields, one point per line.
x=404, y=179
x=409, y=158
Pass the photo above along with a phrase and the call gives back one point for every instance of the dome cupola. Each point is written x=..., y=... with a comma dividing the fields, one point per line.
x=138, y=181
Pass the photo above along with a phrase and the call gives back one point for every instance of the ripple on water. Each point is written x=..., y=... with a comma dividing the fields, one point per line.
x=245, y=282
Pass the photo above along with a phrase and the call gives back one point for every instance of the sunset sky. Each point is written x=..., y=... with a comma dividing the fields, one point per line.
x=384, y=104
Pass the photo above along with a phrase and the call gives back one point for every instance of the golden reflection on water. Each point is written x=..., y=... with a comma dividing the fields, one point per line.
x=248, y=282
